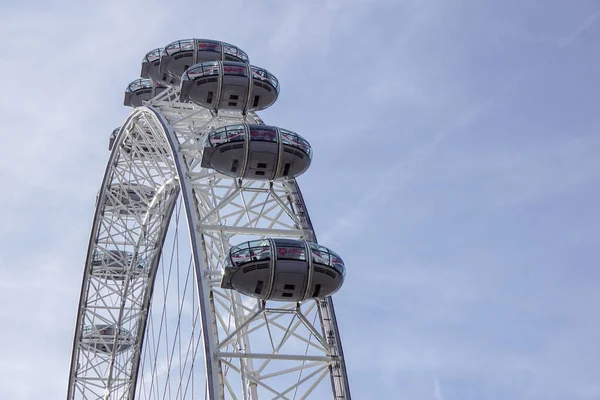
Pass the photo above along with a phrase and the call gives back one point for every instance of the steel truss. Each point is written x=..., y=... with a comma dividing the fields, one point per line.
x=251, y=348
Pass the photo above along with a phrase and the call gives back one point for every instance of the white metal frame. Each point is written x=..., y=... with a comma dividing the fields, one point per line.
x=251, y=347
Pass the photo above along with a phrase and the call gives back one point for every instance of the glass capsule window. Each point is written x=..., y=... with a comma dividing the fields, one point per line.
x=234, y=68
x=203, y=69
x=288, y=137
x=89, y=329
x=256, y=250
x=172, y=48
x=112, y=256
x=180, y=45
x=226, y=134
x=322, y=255
x=263, y=133
x=218, y=137
x=209, y=46
x=236, y=135
x=259, y=250
x=240, y=256
x=337, y=263
x=153, y=55
x=303, y=144
x=291, y=252
x=235, y=51
x=271, y=78
x=293, y=139
x=265, y=76
x=104, y=330
x=139, y=84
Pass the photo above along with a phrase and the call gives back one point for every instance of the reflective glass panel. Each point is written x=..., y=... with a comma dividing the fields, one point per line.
x=202, y=69
x=229, y=49
x=171, y=48
x=139, y=84
x=303, y=144
x=338, y=264
x=291, y=253
x=186, y=45
x=209, y=46
x=179, y=46
x=243, y=55
x=236, y=135
x=240, y=256
x=289, y=138
x=320, y=254
x=210, y=68
x=218, y=137
x=260, y=253
x=235, y=52
x=258, y=73
x=234, y=69
x=271, y=78
x=239, y=247
x=261, y=243
x=263, y=134
x=106, y=331
x=153, y=55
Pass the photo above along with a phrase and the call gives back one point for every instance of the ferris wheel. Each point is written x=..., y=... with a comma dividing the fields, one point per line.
x=203, y=276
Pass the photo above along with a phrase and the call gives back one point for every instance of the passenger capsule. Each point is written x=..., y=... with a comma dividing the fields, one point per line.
x=141, y=90
x=115, y=265
x=104, y=338
x=283, y=270
x=178, y=56
x=113, y=138
x=151, y=69
x=135, y=148
x=132, y=199
x=259, y=152
x=228, y=85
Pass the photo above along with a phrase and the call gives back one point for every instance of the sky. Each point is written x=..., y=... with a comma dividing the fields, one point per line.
x=455, y=170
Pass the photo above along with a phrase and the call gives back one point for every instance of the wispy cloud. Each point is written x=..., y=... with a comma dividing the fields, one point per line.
x=581, y=29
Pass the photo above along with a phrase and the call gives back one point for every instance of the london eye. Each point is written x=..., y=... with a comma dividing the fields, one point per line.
x=203, y=276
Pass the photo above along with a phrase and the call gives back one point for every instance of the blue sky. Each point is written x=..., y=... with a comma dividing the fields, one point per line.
x=455, y=171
